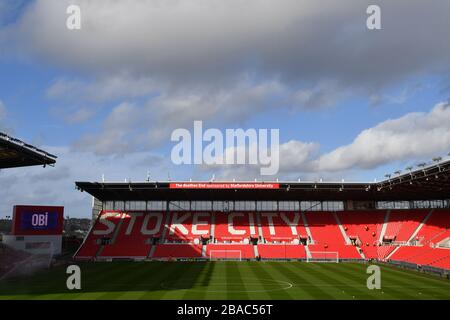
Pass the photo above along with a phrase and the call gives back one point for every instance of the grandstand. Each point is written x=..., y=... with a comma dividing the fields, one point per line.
x=403, y=220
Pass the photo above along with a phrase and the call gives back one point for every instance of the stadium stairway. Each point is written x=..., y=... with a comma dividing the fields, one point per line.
x=151, y=252
x=308, y=253
x=259, y=226
x=104, y=226
x=308, y=231
x=213, y=225
x=365, y=227
x=419, y=227
x=413, y=236
x=384, y=226
x=255, y=251
x=341, y=228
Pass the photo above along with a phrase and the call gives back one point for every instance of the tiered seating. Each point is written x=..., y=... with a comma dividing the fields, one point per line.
x=424, y=256
x=281, y=251
x=177, y=251
x=104, y=227
x=410, y=254
x=327, y=236
x=187, y=226
x=443, y=261
x=282, y=227
x=235, y=226
x=403, y=223
x=436, y=229
x=118, y=234
x=233, y=251
x=366, y=227
x=133, y=237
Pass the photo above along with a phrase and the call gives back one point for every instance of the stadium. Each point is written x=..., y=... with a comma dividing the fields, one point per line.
x=245, y=153
x=250, y=240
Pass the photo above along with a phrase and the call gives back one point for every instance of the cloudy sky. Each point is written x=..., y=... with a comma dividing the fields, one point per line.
x=349, y=102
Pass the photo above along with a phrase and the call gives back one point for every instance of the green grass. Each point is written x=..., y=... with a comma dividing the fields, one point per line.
x=226, y=280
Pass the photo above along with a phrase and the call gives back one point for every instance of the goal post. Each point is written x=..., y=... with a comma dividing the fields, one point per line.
x=323, y=256
x=225, y=254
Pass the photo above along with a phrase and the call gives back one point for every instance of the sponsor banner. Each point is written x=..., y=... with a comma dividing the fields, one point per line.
x=227, y=185
x=38, y=220
x=33, y=220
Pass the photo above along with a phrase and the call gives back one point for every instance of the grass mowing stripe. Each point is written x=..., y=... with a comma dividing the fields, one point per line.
x=106, y=283
x=101, y=274
x=421, y=277
x=358, y=279
x=397, y=287
x=259, y=270
x=356, y=274
x=55, y=282
x=420, y=287
x=219, y=273
x=184, y=280
x=191, y=280
x=361, y=280
x=336, y=279
x=253, y=274
x=234, y=276
x=284, y=284
x=170, y=282
x=131, y=281
x=414, y=274
x=155, y=280
x=309, y=292
x=203, y=280
x=385, y=293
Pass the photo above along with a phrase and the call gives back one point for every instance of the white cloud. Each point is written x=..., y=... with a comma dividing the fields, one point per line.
x=134, y=126
x=103, y=89
x=323, y=94
x=412, y=136
x=213, y=41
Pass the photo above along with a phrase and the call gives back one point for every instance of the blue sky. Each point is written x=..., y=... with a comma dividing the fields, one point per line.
x=349, y=102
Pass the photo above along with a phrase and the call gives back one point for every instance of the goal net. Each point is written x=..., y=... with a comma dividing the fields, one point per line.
x=323, y=256
x=225, y=254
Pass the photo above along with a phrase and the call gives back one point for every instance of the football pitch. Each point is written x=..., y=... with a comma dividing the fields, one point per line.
x=226, y=280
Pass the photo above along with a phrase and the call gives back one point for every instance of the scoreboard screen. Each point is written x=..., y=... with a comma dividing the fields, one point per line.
x=38, y=220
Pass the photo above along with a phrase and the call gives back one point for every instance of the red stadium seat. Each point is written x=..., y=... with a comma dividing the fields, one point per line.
x=177, y=251
x=281, y=251
x=231, y=251
x=247, y=235
x=327, y=236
